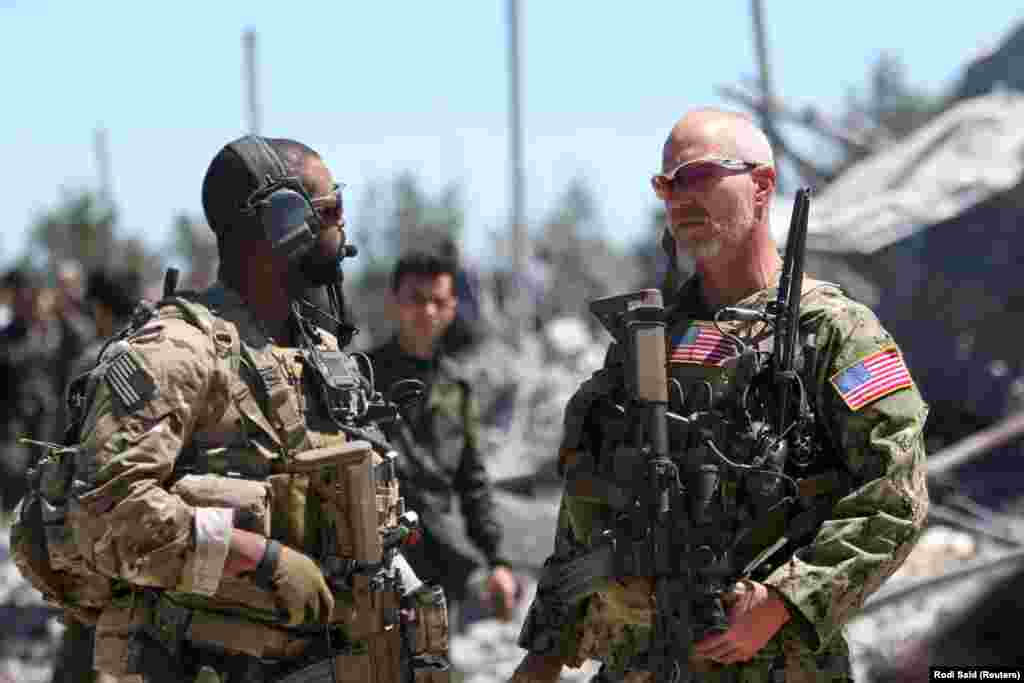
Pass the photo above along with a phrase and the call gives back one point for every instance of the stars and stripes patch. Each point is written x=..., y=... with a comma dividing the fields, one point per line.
x=871, y=378
x=701, y=345
x=129, y=382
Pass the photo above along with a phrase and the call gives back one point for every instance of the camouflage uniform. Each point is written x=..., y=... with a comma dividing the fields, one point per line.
x=440, y=456
x=869, y=524
x=216, y=395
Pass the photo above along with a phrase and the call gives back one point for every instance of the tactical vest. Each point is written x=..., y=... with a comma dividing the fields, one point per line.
x=258, y=459
x=709, y=382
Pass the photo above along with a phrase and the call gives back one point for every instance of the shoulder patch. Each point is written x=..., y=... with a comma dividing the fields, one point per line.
x=869, y=379
x=129, y=381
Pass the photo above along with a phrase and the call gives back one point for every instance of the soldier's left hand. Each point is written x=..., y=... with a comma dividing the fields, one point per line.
x=503, y=590
x=755, y=615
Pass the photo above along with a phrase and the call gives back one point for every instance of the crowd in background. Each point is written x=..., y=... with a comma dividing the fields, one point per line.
x=52, y=326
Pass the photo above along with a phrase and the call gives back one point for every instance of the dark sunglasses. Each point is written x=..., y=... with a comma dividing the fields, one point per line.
x=329, y=207
x=687, y=175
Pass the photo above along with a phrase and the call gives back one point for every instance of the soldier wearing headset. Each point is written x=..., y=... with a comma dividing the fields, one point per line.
x=234, y=507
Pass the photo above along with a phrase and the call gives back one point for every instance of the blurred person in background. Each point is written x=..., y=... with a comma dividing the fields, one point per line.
x=77, y=327
x=112, y=296
x=438, y=438
x=30, y=390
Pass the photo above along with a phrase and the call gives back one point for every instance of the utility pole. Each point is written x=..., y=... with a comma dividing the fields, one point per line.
x=252, y=90
x=520, y=299
x=767, y=88
x=102, y=152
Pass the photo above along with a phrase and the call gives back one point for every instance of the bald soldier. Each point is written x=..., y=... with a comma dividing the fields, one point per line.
x=859, y=503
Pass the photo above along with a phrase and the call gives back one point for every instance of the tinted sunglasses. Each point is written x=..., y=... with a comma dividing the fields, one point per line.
x=685, y=176
x=329, y=207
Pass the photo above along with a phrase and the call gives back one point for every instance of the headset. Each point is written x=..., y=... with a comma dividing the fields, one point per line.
x=288, y=217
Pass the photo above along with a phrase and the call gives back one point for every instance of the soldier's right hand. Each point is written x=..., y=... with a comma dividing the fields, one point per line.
x=297, y=583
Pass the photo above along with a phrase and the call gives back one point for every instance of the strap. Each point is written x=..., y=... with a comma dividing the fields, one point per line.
x=567, y=581
x=280, y=398
x=263, y=575
x=260, y=158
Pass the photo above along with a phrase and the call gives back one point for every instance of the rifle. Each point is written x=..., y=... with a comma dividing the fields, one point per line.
x=655, y=539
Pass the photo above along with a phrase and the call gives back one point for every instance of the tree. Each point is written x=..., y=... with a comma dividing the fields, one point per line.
x=576, y=261
x=394, y=217
x=196, y=246
x=80, y=227
x=887, y=110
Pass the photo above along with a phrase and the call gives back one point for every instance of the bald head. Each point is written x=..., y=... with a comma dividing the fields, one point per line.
x=715, y=132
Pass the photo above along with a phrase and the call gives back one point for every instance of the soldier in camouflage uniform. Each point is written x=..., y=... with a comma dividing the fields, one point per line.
x=867, y=499
x=193, y=496
x=438, y=438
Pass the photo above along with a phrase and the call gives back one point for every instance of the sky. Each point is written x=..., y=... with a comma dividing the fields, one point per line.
x=384, y=87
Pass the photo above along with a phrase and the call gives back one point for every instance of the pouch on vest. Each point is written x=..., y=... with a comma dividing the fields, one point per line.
x=249, y=499
x=44, y=547
x=342, y=477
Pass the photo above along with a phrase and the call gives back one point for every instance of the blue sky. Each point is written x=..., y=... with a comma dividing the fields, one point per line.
x=382, y=87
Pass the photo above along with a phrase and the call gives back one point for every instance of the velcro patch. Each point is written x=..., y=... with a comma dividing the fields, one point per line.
x=872, y=377
x=701, y=344
x=129, y=382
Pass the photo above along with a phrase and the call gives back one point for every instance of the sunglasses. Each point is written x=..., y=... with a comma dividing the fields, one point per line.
x=329, y=207
x=685, y=176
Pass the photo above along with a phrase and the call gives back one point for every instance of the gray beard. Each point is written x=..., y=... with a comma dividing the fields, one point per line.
x=688, y=252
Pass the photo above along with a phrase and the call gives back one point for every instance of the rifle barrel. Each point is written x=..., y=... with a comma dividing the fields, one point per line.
x=787, y=303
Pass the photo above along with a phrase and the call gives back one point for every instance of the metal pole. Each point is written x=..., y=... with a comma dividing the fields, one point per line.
x=252, y=90
x=1007, y=430
x=767, y=89
x=102, y=151
x=520, y=299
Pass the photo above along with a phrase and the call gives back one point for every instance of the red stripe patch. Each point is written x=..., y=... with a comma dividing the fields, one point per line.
x=701, y=345
x=871, y=378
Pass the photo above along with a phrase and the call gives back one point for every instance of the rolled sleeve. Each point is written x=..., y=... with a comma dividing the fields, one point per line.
x=204, y=565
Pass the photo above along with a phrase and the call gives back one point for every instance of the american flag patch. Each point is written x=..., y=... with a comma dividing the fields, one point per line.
x=129, y=382
x=701, y=345
x=871, y=378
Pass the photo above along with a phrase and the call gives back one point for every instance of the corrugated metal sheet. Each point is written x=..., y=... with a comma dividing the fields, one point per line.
x=963, y=157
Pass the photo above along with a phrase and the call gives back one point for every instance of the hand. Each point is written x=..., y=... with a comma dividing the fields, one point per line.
x=300, y=588
x=755, y=615
x=503, y=591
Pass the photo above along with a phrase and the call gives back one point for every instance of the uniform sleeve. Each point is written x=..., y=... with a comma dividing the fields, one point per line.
x=875, y=416
x=476, y=494
x=149, y=396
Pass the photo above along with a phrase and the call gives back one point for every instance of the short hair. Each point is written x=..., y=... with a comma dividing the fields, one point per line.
x=118, y=290
x=21, y=278
x=229, y=183
x=425, y=263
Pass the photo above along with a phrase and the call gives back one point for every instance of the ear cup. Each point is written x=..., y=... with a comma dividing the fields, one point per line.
x=289, y=222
